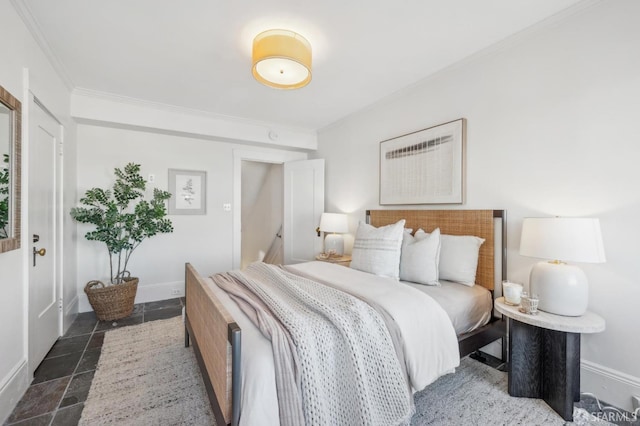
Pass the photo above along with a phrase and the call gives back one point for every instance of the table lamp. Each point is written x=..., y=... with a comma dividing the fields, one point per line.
x=561, y=288
x=333, y=225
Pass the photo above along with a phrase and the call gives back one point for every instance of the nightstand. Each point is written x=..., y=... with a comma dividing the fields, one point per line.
x=544, y=355
x=340, y=260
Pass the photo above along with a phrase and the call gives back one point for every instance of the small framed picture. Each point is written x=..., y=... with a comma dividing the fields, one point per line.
x=188, y=191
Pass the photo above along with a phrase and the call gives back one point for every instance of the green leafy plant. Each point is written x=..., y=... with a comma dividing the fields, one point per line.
x=4, y=198
x=122, y=217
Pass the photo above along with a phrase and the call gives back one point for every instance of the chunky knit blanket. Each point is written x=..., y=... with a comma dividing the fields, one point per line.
x=335, y=362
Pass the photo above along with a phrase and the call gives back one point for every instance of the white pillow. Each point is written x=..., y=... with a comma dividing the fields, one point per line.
x=377, y=250
x=459, y=258
x=419, y=258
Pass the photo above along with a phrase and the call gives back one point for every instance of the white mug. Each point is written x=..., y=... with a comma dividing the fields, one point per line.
x=512, y=292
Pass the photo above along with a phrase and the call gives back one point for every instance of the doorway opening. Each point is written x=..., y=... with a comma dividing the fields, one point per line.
x=262, y=205
x=302, y=204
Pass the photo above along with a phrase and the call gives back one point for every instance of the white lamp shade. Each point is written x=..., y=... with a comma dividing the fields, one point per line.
x=565, y=239
x=334, y=222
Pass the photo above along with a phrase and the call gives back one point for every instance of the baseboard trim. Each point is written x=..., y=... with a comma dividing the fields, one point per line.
x=70, y=314
x=13, y=389
x=611, y=386
x=146, y=293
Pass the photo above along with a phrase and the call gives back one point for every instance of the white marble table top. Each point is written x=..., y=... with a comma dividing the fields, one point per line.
x=587, y=323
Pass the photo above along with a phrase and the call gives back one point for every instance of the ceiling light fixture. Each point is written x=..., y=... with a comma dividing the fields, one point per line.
x=281, y=59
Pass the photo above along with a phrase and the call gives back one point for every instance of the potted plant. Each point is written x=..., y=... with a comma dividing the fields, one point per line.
x=122, y=220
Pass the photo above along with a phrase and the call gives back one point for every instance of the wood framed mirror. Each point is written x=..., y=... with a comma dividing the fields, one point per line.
x=10, y=161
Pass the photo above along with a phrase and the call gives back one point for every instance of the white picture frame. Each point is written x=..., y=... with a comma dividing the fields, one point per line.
x=424, y=167
x=188, y=190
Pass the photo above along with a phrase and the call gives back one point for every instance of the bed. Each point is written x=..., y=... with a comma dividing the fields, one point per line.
x=212, y=321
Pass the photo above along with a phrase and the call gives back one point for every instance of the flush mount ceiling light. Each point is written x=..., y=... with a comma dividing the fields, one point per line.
x=282, y=59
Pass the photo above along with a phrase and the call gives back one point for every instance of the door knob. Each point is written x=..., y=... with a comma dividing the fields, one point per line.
x=40, y=252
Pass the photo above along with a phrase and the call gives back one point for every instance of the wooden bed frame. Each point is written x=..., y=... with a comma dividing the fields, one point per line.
x=216, y=336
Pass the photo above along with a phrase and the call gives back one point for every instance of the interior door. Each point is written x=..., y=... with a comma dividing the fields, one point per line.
x=303, y=206
x=44, y=311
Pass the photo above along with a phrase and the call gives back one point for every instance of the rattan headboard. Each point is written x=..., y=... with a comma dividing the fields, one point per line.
x=456, y=222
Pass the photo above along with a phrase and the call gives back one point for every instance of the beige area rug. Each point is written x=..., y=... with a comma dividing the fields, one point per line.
x=477, y=395
x=146, y=376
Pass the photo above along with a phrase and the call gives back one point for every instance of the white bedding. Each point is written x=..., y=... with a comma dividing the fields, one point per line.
x=468, y=307
x=431, y=346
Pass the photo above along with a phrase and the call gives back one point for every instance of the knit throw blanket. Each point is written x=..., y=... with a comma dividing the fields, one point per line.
x=334, y=358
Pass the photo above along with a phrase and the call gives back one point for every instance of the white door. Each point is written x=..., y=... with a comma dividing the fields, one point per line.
x=303, y=206
x=44, y=313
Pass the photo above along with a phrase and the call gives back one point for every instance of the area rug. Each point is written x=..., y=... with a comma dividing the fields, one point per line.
x=477, y=395
x=146, y=376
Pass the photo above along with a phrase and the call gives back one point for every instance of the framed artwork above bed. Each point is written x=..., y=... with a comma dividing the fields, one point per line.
x=424, y=167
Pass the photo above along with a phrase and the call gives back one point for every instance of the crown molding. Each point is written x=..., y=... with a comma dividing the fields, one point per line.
x=33, y=26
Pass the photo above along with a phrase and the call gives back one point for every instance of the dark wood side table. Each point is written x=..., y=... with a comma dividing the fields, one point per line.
x=544, y=355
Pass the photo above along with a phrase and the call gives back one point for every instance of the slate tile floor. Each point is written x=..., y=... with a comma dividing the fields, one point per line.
x=61, y=383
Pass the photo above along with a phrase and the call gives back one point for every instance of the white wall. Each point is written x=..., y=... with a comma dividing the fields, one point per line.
x=19, y=50
x=204, y=240
x=552, y=130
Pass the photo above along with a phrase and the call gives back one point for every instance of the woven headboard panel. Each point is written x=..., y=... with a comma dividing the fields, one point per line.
x=454, y=222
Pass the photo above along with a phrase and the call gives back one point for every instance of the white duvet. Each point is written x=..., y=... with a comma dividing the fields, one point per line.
x=430, y=343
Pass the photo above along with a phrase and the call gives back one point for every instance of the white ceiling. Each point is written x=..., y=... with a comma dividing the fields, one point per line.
x=197, y=53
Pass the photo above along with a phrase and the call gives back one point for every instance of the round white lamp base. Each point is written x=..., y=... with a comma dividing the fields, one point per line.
x=561, y=288
x=334, y=243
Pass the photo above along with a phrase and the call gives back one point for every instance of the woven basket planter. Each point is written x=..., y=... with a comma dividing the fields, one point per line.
x=112, y=302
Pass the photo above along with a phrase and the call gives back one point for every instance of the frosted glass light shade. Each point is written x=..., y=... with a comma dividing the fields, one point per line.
x=281, y=59
x=562, y=289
